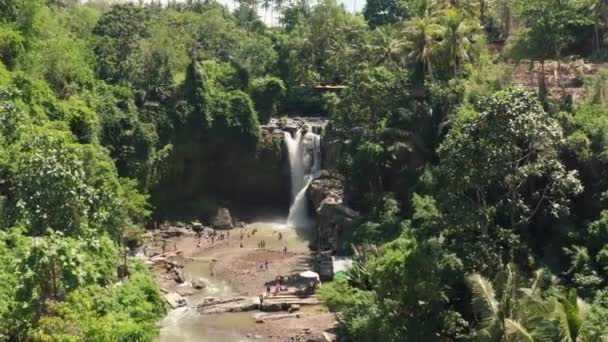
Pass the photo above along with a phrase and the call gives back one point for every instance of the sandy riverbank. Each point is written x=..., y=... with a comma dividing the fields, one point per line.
x=230, y=270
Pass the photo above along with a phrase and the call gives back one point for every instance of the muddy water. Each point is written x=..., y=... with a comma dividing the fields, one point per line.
x=185, y=324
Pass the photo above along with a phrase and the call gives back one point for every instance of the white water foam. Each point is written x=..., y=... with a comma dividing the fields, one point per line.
x=304, y=151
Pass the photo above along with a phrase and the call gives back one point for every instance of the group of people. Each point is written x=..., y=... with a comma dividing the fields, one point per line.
x=261, y=244
x=280, y=286
x=213, y=236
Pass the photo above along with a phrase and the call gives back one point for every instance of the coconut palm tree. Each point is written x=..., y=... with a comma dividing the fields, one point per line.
x=383, y=49
x=278, y=6
x=513, y=313
x=267, y=4
x=567, y=318
x=419, y=41
x=509, y=312
x=459, y=33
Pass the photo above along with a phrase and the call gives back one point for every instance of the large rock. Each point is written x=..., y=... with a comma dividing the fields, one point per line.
x=228, y=305
x=178, y=275
x=185, y=291
x=327, y=184
x=333, y=217
x=272, y=307
x=168, y=232
x=222, y=219
x=175, y=300
x=199, y=284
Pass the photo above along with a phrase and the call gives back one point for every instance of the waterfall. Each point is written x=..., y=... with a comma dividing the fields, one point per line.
x=304, y=151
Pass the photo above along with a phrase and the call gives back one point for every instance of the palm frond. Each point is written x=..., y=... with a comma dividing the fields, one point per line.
x=484, y=299
x=514, y=331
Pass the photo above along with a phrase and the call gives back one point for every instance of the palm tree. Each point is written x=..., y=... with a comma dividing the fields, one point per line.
x=458, y=38
x=599, y=10
x=279, y=7
x=419, y=41
x=524, y=314
x=569, y=314
x=266, y=4
x=383, y=48
x=509, y=313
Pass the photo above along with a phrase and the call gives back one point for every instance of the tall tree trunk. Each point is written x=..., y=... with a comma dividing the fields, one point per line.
x=597, y=35
x=54, y=279
x=542, y=86
x=559, y=74
x=507, y=21
x=531, y=71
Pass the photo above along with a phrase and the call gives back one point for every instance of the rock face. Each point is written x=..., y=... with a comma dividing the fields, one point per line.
x=222, y=219
x=324, y=266
x=200, y=172
x=333, y=216
x=330, y=151
x=291, y=125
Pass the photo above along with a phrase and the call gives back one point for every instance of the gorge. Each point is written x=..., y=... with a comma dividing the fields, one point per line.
x=187, y=171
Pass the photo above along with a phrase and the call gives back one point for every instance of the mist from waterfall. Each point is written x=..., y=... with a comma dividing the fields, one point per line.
x=304, y=151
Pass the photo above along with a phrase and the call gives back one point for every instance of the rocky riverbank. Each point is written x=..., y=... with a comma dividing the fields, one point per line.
x=221, y=269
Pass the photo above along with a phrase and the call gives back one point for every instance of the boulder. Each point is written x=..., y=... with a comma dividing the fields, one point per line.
x=327, y=184
x=271, y=307
x=230, y=305
x=185, y=291
x=175, y=300
x=222, y=219
x=334, y=219
x=178, y=275
x=333, y=216
x=170, y=232
x=199, y=284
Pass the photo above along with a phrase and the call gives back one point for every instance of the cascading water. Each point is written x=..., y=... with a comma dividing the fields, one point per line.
x=304, y=151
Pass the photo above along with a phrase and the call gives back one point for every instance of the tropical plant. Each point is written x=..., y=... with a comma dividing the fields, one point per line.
x=569, y=316
x=266, y=5
x=419, y=40
x=383, y=48
x=505, y=312
x=459, y=37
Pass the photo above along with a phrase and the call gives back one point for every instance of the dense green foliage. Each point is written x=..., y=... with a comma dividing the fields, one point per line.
x=484, y=206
